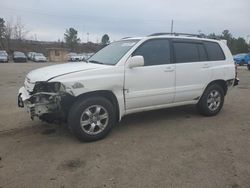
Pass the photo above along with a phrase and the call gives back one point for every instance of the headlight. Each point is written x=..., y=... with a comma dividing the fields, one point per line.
x=51, y=87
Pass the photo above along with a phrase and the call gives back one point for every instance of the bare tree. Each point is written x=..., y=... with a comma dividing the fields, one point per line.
x=8, y=33
x=19, y=31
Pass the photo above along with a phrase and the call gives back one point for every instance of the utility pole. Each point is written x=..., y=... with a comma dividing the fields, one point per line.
x=82, y=34
x=172, y=26
x=87, y=37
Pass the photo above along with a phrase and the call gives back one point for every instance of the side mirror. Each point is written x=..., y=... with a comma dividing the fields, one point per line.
x=135, y=61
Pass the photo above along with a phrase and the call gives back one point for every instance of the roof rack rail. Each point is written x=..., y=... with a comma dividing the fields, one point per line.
x=177, y=34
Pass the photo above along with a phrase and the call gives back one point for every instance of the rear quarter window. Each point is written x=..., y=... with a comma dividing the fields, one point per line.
x=214, y=51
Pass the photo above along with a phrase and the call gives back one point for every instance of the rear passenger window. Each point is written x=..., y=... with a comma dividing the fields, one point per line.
x=202, y=52
x=155, y=52
x=186, y=52
x=214, y=51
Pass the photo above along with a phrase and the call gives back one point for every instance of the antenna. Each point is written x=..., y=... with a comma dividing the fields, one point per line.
x=172, y=26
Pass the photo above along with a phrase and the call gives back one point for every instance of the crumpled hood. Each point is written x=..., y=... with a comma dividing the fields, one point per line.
x=47, y=73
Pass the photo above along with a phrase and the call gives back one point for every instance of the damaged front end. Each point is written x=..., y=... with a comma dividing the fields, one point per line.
x=44, y=99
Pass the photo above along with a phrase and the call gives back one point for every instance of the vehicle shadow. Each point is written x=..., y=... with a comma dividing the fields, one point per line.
x=149, y=117
x=143, y=120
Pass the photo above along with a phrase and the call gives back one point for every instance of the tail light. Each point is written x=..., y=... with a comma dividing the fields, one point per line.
x=236, y=70
x=236, y=79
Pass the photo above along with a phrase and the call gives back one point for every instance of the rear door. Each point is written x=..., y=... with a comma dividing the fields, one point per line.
x=193, y=70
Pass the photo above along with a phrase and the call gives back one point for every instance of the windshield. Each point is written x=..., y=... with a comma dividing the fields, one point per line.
x=111, y=54
x=2, y=53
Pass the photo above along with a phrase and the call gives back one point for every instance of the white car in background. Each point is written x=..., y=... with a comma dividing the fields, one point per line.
x=86, y=56
x=39, y=57
x=30, y=55
x=128, y=76
x=71, y=56
x=4, y=56
x=74, y=57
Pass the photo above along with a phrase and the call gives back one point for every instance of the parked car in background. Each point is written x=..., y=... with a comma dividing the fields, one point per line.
x=74, y=57
x=81, y=57
x=33, y=56
x=4, y=56
x=85, y=56
x=248, y=65
x=39, y=57
x=19, y=57
x=30, y=55
x=242, y=59
x=71, y=56
x=77, y=57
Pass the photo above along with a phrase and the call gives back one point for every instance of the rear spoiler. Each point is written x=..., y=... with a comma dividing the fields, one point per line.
x=223, y=40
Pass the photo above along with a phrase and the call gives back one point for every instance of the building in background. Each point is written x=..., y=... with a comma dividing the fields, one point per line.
x=58, y=54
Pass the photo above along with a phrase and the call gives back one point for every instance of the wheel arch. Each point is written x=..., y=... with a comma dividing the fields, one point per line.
x=109, y=95
x=219, y=82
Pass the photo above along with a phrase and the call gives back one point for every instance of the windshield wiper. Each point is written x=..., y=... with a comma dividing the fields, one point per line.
x=97, y=62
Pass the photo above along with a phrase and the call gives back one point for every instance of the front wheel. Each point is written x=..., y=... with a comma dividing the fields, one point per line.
x=211, y=101
x=91, y=119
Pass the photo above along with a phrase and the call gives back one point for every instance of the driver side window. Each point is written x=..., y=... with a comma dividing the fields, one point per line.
x=155, y=52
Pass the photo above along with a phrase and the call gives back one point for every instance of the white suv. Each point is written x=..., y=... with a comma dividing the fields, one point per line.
x=129, y=76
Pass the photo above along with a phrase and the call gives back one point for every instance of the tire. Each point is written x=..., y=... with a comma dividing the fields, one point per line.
x=248, y=66
x=91, y=119
x=242, y=63
x=211, y=101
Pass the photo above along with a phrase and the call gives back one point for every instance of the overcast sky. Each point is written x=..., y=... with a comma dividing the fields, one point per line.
x=48, y=19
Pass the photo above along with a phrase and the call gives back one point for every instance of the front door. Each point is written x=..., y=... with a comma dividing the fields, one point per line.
x=154, y=83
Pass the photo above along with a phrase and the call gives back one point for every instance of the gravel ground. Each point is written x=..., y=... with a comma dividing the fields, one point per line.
x=165, y=148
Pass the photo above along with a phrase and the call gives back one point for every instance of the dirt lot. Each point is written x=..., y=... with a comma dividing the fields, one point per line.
x=165, y=148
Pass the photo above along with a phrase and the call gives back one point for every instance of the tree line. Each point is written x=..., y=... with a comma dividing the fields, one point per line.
x=16, y=30
x=11, y=30
x=236, y=45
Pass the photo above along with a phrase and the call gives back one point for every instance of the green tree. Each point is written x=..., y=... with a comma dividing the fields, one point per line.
x=2, y=28
x=105, y=39
x=226, y=35
x=239, y=46
x=212, y=36
x=236, y=45
x=71, y=38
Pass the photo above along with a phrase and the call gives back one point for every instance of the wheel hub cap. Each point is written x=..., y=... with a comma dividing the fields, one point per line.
x=94, y=119
x=214, y=100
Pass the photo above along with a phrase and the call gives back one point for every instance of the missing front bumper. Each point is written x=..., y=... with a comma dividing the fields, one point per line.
x=40, y=103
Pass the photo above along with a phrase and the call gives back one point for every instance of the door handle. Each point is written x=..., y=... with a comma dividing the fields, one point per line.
x=169, y=69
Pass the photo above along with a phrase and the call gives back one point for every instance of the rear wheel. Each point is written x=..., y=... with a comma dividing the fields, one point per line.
x=211, y=101
x=91, y=119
